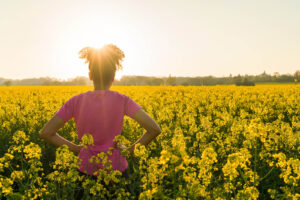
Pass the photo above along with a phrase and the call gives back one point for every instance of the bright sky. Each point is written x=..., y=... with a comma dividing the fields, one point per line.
x=158, y=37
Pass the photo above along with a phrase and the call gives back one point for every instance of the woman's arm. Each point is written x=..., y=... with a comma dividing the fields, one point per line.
x=49, y=133
x=152, y=128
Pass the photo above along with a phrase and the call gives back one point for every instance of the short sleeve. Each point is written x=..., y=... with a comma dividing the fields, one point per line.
x=67, y=110
x=131, y=107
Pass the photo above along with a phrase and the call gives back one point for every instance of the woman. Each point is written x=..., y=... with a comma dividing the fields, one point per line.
x=100, y=112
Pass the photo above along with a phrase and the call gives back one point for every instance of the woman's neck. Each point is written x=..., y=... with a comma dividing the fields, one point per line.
x=97, y=87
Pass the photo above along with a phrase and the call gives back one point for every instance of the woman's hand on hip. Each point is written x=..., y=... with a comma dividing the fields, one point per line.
x=122, y=148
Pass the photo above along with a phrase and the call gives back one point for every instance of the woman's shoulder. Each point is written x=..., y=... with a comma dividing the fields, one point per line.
x=77, y=97
x=120, y=96
x=117, y=94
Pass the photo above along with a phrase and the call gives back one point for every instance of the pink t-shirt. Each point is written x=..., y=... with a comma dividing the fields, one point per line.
x=100, y=113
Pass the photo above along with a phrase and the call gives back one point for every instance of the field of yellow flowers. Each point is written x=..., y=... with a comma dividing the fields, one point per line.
x=220, y=142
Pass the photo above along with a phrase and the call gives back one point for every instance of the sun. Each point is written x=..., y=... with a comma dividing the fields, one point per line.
x=93, y=34
x=77, y=67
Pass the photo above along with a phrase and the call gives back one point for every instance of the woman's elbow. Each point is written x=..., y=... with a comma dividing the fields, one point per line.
x=157, y=131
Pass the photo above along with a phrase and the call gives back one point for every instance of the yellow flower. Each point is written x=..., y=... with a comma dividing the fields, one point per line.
x=87, y=139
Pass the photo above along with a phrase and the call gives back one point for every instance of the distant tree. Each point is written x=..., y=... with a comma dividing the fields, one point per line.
x=156, y=81
x=276, y=74
x=297, y=76
x=246, y=82
x=79, y=80
x=171, y=80
x=237, y=80
x=7, y=83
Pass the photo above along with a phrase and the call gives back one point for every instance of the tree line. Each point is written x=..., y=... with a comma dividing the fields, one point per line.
x=80, y=80
x=170, y=80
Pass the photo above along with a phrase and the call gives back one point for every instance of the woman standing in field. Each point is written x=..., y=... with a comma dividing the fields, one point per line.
x=100, y=112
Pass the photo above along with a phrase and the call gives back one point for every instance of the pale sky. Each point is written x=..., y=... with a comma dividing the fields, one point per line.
x=41, y=38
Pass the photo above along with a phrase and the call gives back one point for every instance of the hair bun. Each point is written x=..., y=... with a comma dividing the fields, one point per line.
x=86, y=53
x=114, y=53
x=110, y=51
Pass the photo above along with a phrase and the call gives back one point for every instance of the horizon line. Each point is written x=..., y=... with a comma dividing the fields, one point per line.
x=160, y=76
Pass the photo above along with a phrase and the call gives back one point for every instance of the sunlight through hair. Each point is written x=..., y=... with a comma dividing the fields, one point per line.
x=103, y=62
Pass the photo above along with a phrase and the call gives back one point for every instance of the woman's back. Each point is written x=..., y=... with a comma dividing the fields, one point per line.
x=99, y=113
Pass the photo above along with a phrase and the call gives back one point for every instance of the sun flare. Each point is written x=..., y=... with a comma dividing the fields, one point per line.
x=96, y=35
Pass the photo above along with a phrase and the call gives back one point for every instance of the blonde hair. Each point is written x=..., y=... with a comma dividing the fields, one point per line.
x=103, y=62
